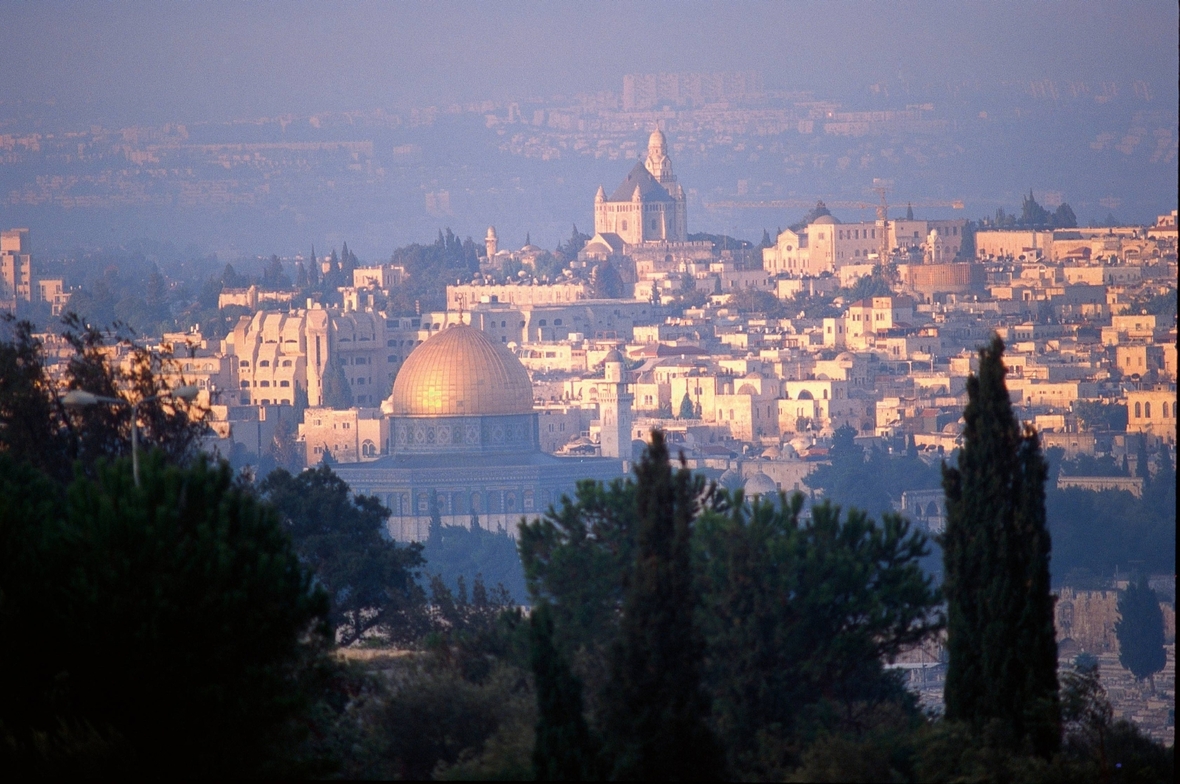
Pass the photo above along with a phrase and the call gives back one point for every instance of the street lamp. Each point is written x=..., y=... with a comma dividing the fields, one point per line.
x=79, y=398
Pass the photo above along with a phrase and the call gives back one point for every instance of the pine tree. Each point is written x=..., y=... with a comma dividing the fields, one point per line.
x=686, y=408
x=563, y=750
x=1140, y=630
x=1002, y=650
x=655, y=710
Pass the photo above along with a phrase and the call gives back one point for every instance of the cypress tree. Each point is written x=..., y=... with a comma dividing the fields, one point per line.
x=654, y=708
x=563, y=749
x=1141, y=469
x=1000, y=638
x=686, y=408
x=336, y=392
x=1140, y=630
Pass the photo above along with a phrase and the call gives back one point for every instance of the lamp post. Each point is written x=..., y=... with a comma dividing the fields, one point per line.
x=79, y=398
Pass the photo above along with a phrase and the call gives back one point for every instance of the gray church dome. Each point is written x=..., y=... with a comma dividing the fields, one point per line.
x=760, y=484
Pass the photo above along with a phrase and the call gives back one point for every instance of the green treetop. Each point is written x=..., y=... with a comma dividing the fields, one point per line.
x=656, y=709
x=1140, y=630
x=1002, y=649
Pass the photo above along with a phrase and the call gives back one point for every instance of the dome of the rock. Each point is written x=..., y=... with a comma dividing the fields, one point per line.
x=461, y=372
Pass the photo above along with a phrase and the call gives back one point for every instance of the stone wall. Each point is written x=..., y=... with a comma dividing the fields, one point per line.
x=1088, y=618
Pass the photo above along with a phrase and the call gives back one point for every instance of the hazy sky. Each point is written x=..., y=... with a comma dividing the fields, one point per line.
x=158, y=61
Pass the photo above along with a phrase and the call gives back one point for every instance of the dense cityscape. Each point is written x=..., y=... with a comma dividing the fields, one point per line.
x=803, y=470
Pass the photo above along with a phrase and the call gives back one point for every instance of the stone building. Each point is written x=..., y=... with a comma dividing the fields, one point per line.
x=464, y=441
x=16, y=270
x=649, y=205
x=278, y=352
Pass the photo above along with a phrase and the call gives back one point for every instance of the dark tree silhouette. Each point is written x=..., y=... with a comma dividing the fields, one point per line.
x=1001, y=643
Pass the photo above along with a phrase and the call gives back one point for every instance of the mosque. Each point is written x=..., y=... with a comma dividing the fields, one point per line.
x=465, y=439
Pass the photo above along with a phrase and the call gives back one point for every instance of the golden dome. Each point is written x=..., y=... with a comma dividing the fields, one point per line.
x=461, y=372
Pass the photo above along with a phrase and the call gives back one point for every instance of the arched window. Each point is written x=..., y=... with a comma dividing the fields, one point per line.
x=368, y=449
x=1147, y=410
x=284, y=383
x=264, y=363
x=1138, y=411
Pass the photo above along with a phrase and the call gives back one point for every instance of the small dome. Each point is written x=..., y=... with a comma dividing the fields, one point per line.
x=613, y=356
x=760, y=484
x=731, y=479
x=491, y=235
x=825, y=220
x=460, y=371
x=657, y=140
x=772, y=453
x=747, y=389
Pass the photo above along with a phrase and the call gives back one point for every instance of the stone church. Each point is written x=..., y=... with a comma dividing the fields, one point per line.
x=649, y=205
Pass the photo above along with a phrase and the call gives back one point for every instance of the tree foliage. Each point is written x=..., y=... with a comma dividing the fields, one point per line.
x=36, y=427
x=171, y=621
x=656, y=710
x=564, y=749
x=1140, y=630
x=756, y=301
x=1001, y=645
x=801, y=617
x=568, y=250
x=337, y=392
x=430, y=269
x=455, y=552
x=371, y=581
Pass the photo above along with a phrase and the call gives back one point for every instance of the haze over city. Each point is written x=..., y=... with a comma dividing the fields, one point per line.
x=1010, y=93
x=589, y=391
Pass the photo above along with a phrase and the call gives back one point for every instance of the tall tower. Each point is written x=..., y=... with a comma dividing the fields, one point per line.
x=614, y=410
x=658, y=162
x=491, y=243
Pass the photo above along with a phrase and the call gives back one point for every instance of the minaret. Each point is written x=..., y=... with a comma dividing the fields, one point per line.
x=614, y=410
x=491, y=243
